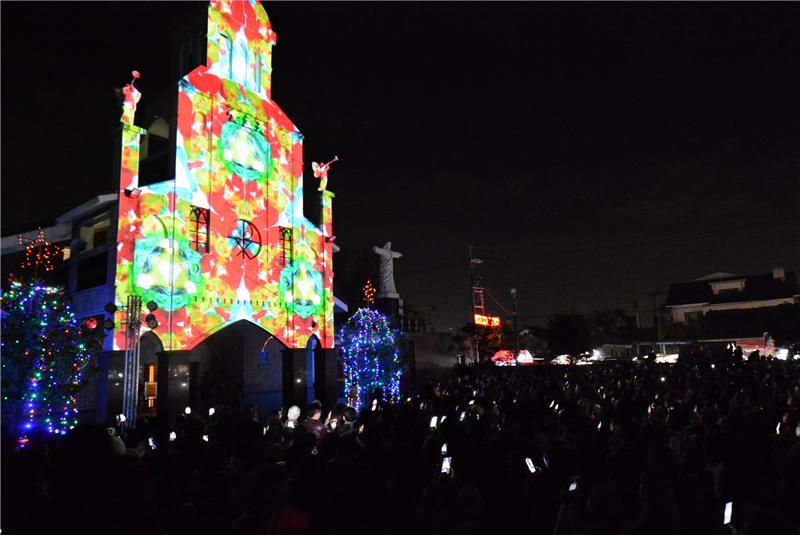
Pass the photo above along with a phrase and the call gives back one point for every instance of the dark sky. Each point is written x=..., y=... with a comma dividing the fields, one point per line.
x=590, y=152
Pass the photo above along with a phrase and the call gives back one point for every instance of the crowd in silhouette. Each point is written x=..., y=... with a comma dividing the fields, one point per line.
x=613, y=448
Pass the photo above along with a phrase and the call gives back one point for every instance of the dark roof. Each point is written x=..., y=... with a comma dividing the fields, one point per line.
x=756, y=288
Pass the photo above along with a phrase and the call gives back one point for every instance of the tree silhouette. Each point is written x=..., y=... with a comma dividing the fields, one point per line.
x=569, y=334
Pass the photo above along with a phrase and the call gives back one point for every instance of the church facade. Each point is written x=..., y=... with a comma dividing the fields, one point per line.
x=221, y=245
x=226, y=239
x=207, y=226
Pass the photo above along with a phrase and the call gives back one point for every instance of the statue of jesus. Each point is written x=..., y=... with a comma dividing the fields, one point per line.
x=387, y=288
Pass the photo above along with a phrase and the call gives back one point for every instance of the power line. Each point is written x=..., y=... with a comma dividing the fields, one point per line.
x=498, y=303
x=659, y=240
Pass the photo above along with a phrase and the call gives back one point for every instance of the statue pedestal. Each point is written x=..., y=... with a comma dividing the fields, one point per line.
x=391, y=307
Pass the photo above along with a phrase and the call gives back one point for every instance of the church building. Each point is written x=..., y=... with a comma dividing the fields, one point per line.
x=205, y=246
x=221, y=244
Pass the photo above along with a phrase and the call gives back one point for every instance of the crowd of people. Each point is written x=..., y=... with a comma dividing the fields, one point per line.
x=613, y=448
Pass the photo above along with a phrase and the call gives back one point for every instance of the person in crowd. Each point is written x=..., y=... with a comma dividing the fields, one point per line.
x=348, y=425
x=292, y=417
x=612, y=448
x=313, y=423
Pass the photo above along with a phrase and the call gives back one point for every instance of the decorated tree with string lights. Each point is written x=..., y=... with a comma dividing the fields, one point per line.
x=45, y=350
x=44, y=353
x=369, y=352
x=368, y=293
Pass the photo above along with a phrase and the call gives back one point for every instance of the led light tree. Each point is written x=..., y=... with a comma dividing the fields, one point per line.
x=39, y=254
x=44, y=355
x=369, y=292
x=368, y=349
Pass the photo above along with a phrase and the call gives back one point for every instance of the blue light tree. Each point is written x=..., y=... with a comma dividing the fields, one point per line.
x=45, y=351
x=369, y=352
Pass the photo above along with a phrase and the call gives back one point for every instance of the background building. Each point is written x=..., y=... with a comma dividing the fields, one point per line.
x=717, y=292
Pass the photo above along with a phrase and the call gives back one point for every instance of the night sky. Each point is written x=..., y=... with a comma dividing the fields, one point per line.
x=590, y=152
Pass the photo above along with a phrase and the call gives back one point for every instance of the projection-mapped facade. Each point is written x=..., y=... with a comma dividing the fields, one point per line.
x=226, y=238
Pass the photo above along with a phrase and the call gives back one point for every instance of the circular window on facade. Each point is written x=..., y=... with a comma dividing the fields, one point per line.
x=244, y=151
x=245, y=239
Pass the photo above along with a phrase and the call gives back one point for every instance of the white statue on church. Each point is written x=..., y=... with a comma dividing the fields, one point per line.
x=387, y=288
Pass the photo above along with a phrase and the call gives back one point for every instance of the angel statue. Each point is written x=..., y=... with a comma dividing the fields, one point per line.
x=321, y=172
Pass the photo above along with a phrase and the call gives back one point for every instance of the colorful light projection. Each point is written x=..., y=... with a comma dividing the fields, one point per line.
x=226, y=238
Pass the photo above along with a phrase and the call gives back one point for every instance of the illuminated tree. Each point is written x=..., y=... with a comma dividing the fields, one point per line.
x=39, y=254
x=369, y=293
x=368, y=349
x=44, y=355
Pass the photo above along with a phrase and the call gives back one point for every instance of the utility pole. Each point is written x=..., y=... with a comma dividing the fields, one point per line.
x=514, y=312
x=653, y=295
x=478, y=298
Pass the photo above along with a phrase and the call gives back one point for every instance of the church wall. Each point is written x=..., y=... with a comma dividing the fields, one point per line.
x=236, y=351
x=226, y=238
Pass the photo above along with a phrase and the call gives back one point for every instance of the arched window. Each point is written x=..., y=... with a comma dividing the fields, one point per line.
x=240, y=60
x=255, y=74
x=286, y=245
x=226, y=56
x=198, y=221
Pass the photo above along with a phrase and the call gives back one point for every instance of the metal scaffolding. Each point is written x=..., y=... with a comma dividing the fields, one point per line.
x=133, y=327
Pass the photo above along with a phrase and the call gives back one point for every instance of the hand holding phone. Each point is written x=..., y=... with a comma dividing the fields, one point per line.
x=726, y=519
x=446, y=465
x=573, y=485
x=531, y=467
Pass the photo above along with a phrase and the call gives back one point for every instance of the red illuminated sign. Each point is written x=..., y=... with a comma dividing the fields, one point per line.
x=486, y=321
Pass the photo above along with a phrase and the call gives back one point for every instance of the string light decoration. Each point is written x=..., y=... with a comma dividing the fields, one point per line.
x=369, y=293
x=368, y=350
x=39, y=253
x=45, y=352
